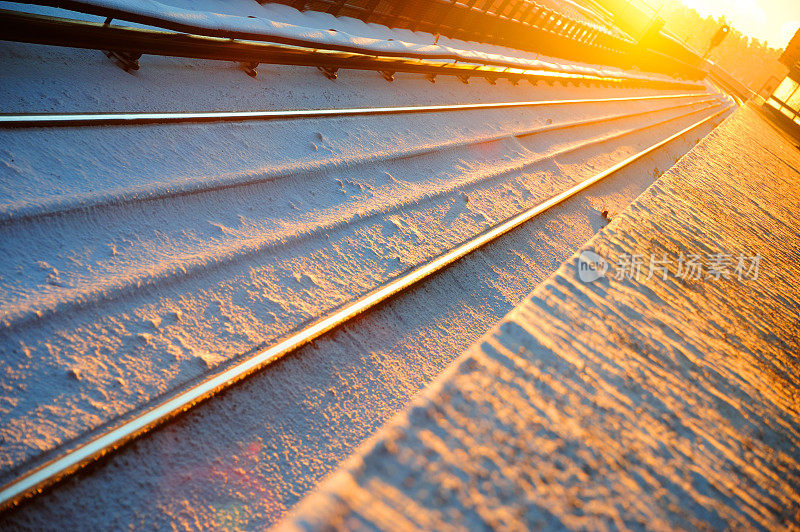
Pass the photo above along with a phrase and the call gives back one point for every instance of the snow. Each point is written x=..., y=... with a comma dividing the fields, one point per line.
x=633, y=403
x=242, y=460
x=136, y=258
x=99, y=289
x=254, y=23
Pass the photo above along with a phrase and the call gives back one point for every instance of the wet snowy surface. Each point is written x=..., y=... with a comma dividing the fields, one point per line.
x=641, y=404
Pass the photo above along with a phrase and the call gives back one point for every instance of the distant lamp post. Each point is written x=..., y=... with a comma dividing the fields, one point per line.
x=718, y=37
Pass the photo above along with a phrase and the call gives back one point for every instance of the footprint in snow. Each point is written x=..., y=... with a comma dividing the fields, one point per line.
x=53, y=275
x=304, y=280
x=458, y=206
x=222, y=229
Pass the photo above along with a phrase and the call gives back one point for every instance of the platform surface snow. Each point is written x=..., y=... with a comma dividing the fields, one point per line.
x=632, y=403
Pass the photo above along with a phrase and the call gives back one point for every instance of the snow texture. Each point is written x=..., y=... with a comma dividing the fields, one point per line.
x=136, y=258
x=108, y=304
x=626, y=404
x=255, y=22
x=243, y=459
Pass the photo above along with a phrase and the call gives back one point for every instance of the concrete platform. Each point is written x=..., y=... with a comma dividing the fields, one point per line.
x=627, y=401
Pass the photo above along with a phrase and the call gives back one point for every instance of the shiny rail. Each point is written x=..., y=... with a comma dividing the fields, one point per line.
x=21, y=120
x=95, y=293
x=73, y=459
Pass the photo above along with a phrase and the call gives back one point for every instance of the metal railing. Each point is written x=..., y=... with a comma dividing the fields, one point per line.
x=132, y=42
x=520, y=24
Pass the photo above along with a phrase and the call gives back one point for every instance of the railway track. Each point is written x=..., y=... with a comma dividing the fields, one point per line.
x=63, y=205
x=72, y=456
x=20, y=120
x=96, y=289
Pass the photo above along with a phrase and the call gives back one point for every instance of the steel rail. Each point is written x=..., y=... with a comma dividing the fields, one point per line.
x=91, y=294
x=22, y=120
x=55, y=31
x=58, y=207
x=51, y=472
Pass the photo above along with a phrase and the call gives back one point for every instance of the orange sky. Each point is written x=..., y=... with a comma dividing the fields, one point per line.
x=774, y=21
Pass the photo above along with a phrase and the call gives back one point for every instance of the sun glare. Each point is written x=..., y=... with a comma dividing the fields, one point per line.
x=399, y=265
x=765, y=20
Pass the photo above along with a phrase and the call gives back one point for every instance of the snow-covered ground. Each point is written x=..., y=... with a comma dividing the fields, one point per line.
x=108, y=306
x=243, y=459
x=629, y=403
x=136, y=258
